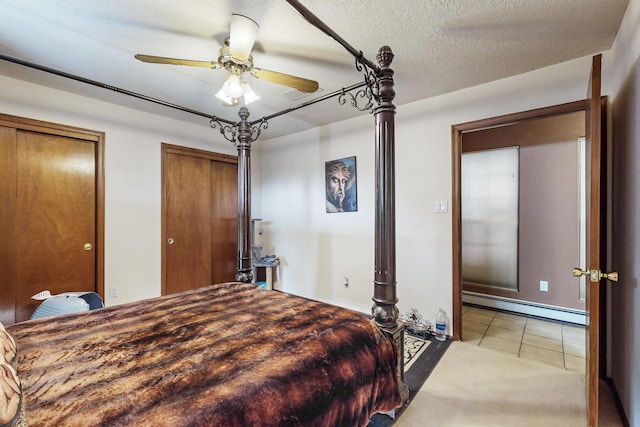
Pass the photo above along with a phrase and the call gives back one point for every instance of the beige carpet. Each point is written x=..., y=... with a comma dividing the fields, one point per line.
x=475, y=386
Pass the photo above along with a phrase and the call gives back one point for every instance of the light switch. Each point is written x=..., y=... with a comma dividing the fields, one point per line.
x=441, y=207
x=544, y=286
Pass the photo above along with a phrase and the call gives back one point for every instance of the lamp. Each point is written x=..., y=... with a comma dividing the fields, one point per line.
x=249, y=95
x=227, y=101
x=237, y=59
x=233, y=88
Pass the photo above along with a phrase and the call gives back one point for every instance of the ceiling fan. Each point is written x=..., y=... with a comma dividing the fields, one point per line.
x=235, y=57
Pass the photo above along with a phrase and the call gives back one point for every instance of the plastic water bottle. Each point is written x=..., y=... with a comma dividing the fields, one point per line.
x=441, y=325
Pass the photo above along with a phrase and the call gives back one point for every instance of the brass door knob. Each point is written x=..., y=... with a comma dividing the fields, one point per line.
x=595, y=275
x=170, y=240
x=577, y=272
x=88, y=246
x=613, y=276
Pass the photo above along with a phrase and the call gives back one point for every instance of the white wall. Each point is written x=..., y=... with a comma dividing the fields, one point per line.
x=319, y=249
x=620, y=59
x=132, y=175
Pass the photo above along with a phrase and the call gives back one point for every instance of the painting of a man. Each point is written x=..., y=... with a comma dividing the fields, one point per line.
x=341, y=193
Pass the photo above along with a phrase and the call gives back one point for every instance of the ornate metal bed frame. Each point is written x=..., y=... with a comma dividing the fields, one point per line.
x=375, y=95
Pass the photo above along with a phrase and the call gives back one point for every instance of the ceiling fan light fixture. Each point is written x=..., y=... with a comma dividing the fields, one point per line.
x=249, y=95
x=235, y=57
x=233, y=86
x=226, y=99
x=242, y=36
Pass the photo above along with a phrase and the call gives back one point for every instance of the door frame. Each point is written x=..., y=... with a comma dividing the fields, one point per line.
x=457, y=132
x=98, y=138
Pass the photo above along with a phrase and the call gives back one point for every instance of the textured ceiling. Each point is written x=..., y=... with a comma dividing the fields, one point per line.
x=439, y=47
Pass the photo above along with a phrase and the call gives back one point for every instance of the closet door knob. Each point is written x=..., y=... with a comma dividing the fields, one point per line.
x=88, y=246
x=170, y=240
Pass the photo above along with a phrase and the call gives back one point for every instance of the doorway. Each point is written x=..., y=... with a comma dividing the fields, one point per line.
x=596, y=179
x=471, y=131
x=540, y=158
x=521, y=209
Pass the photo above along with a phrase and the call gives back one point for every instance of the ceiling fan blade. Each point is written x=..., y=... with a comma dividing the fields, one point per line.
x=303, y=85
x=242, y=35
x=176, y=61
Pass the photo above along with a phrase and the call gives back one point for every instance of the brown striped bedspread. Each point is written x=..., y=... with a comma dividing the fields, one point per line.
x=229, y=354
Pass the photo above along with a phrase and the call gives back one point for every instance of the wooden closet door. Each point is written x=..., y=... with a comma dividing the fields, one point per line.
x=199, y=218
x=55, y=217
x=188, y=213
x=224, y=221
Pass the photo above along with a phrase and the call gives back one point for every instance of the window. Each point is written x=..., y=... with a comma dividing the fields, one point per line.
x=490, y=181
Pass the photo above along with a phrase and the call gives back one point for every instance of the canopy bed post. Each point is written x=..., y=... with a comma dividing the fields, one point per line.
x=385, y=310
x=244, y=273
x=242, y=134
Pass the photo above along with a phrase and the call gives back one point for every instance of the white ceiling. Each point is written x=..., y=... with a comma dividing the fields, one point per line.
x=439, y=46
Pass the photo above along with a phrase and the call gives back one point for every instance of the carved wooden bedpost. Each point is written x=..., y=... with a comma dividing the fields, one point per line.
x=385, y=311
x=244, y=272
x=242, y=134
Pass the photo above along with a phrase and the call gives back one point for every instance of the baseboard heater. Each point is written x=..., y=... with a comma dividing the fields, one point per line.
x=527, y=308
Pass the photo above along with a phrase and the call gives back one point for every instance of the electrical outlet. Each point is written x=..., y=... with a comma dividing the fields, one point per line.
x=346, y=281
x=544, y=286
x=113, y=292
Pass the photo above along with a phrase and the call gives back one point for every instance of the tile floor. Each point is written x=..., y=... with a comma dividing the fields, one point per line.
x=554, y=343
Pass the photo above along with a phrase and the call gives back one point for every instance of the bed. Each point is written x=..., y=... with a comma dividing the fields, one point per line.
x=229, y=354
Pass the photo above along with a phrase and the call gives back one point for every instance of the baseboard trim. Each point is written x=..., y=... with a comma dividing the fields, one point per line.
x=561, y=314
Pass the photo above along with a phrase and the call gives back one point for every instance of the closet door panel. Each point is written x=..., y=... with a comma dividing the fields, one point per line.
x=56, y=217
x=188, y=213
x=224, y=221
x=8, y=257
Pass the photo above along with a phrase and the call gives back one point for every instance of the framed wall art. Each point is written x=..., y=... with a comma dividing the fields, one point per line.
x=340, y=185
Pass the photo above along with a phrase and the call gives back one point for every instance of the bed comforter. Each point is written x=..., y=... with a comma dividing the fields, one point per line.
x=228, y=354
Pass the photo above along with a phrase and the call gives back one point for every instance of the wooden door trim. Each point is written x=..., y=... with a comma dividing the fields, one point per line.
x=97, y=137
x=457, y=131
x=167, y=149
x=57, y=129
x=195, y=152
